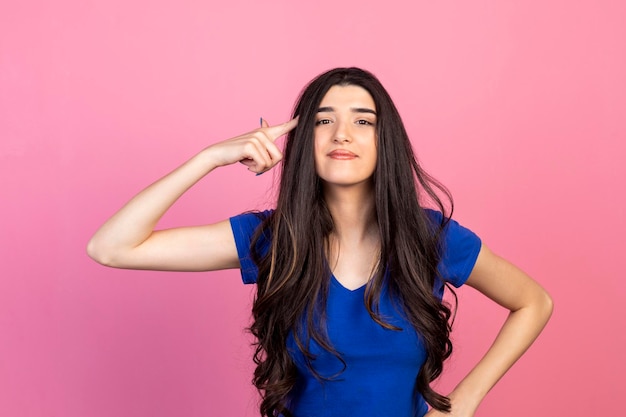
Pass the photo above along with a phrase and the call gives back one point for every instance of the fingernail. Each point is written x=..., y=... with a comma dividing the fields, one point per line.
x=261, y=121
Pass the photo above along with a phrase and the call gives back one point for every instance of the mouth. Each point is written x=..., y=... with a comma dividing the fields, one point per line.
x=341, y=154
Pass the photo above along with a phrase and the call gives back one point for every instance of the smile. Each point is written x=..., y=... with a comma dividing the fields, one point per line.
x=342, y=154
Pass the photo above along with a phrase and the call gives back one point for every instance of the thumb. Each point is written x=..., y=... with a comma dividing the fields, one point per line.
x=264, y=123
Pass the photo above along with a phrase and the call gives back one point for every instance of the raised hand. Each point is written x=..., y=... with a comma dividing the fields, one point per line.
x=128, y=238
x=256, y=149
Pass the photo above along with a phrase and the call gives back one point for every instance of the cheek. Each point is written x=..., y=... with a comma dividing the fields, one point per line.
x=319, y=142
x=316, y=149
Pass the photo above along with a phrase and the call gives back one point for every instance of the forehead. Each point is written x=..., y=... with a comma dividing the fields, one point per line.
x=349, y=96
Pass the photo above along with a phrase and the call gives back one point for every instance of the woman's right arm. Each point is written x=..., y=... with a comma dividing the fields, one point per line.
x=128, y=238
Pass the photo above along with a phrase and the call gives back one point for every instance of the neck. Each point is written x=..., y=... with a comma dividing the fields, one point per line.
x=353, y=249
x=353, y=211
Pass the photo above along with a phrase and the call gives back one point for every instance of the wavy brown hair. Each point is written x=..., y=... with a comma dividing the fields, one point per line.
x=293, y=278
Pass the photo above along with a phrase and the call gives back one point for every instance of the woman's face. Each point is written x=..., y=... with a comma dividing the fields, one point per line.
x=345, y=136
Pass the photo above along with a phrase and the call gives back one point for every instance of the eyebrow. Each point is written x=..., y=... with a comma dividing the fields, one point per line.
x=353, y=109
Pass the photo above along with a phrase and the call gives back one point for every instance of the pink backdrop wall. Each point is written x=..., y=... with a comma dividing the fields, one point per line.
x=517, y=106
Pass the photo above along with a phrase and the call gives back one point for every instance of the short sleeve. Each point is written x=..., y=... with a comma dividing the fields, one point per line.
x=244, y=226
x=460, y=247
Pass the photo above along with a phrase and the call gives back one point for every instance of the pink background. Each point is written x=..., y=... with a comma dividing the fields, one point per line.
x=517, y=106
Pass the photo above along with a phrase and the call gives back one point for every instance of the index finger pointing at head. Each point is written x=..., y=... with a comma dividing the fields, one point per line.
x=277, y=131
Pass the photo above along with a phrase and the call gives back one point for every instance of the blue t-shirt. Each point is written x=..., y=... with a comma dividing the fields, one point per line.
x=381, y=364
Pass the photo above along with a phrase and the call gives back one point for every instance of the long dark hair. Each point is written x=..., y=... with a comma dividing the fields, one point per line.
x=293, y=278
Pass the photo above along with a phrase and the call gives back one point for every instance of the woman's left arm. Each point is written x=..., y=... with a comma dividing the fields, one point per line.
x=530, y=308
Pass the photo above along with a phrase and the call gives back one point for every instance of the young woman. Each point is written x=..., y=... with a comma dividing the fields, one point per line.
x=350, y=268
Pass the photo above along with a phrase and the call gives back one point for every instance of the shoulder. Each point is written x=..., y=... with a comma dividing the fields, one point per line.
x=452, y=230
x=244, y=228
x=245, y=224
x=459, y=248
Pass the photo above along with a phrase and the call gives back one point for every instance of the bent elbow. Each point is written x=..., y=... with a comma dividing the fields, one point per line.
x=99, y=253
x=549, y=304
x=545, y=305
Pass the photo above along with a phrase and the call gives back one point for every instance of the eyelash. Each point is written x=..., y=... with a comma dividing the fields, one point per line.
x=360, y=122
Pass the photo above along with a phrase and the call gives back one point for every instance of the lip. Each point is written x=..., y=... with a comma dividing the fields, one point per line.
x=341, y=154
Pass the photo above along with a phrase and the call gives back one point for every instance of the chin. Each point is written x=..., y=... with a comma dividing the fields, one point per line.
x=347, y=182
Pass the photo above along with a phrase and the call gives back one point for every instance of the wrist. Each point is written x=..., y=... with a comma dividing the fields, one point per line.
x=208, y=159
x=465, y=400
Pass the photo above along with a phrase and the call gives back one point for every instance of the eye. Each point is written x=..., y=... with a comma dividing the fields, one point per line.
x=365, y=122
x=322, y=122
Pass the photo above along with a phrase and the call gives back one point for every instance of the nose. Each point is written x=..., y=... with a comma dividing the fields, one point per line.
x=342, y=133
